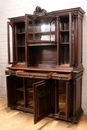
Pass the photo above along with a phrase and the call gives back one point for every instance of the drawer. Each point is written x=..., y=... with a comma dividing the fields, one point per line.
x=10, y=72
x=62, y=76
x=34, y=75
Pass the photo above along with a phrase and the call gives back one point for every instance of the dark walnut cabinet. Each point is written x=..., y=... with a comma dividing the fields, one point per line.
x=45, y=53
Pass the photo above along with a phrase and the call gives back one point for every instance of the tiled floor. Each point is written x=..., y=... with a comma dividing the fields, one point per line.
x=17, y=120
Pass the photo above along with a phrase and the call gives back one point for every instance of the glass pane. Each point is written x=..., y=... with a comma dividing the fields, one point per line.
x=10, y=44
x=42, y=29
x=45, y=27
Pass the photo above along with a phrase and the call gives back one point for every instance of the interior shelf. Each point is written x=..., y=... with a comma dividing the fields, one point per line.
x=20, y=89
x=42, y=44
x=30, y=102
x=41, y=41
x=30, y=90
x=19, y=33
x=21, y=46
x=43, y=33
x=20, y=102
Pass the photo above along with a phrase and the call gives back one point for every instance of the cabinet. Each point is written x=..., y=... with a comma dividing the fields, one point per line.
x=45, y=53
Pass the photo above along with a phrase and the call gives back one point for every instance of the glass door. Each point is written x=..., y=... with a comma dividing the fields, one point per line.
x=66, y=41
x=10, y=43
x=16, y=42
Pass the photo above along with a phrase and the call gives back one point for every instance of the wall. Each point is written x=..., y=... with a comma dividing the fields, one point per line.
x=9, y=8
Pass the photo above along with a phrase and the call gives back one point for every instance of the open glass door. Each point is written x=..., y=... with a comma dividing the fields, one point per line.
x=10, y=43
x=43, y=104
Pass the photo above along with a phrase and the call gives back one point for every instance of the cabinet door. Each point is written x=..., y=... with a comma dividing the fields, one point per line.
x=16, y=42
x=10, y=90
x=66, y=42
x=10, y=42
x=43, y=104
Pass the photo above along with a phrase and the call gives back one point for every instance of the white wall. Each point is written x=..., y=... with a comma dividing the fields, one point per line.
x=9, y=8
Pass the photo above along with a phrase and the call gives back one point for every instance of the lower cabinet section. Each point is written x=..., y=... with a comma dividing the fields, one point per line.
x=59, y=98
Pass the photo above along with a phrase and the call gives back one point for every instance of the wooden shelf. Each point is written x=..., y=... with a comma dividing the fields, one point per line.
x=42, y=44
x=41, y=41
x=30, y=90
x=20, y=102
x=19, y=33
x=20, y=89
x=64, y=43
x=21, y=46
x=30, y=102
x=42, y=33
x=64, y=31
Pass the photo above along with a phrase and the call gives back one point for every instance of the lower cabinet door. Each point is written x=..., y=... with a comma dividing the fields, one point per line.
x=10, y=90
x=43, y=100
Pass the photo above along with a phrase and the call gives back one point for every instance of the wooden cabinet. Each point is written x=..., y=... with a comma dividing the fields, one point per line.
x=45, y=50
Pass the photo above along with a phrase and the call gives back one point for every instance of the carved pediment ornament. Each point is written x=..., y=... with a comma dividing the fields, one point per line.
x=39, y=11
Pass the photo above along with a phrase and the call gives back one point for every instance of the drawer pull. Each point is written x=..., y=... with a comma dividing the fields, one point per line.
x=31, y=76
x=9, y=73
x=59, y=77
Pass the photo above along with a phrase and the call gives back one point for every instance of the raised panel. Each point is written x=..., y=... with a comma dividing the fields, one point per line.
x=43, y=103
x=10, y=90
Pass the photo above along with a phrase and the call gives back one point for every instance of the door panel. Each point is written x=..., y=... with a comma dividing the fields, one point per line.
x=10, y=90
x=43, y=103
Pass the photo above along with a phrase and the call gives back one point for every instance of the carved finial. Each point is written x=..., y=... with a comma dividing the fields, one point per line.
x=39, y=11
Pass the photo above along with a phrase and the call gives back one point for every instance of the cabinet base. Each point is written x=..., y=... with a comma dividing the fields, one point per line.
x=73, y=119
x=76, y=118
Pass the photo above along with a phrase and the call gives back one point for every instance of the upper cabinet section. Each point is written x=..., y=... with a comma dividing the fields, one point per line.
x=46, y=38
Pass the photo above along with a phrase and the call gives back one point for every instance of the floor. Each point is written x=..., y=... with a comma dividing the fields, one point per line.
x=17, y=120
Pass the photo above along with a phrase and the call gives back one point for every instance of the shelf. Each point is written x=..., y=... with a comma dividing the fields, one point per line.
x=62, y=108
x=42, y=33
x=63, y=31
x=21, y=102
x=21, y=46
x=30, y=102
x=30, y=90
x=64, y=65
x=19, y=33
x=64, y=42
x=20, y=89
x=42, y=44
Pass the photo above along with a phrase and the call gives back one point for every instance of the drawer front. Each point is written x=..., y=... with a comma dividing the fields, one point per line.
x=10, y=72
x=60, y=76
x=33, y=75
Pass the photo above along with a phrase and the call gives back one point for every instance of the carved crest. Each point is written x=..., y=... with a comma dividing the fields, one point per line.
x=39, y=11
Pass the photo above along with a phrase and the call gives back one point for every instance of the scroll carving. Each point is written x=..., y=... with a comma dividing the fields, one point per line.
x=44, y=93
